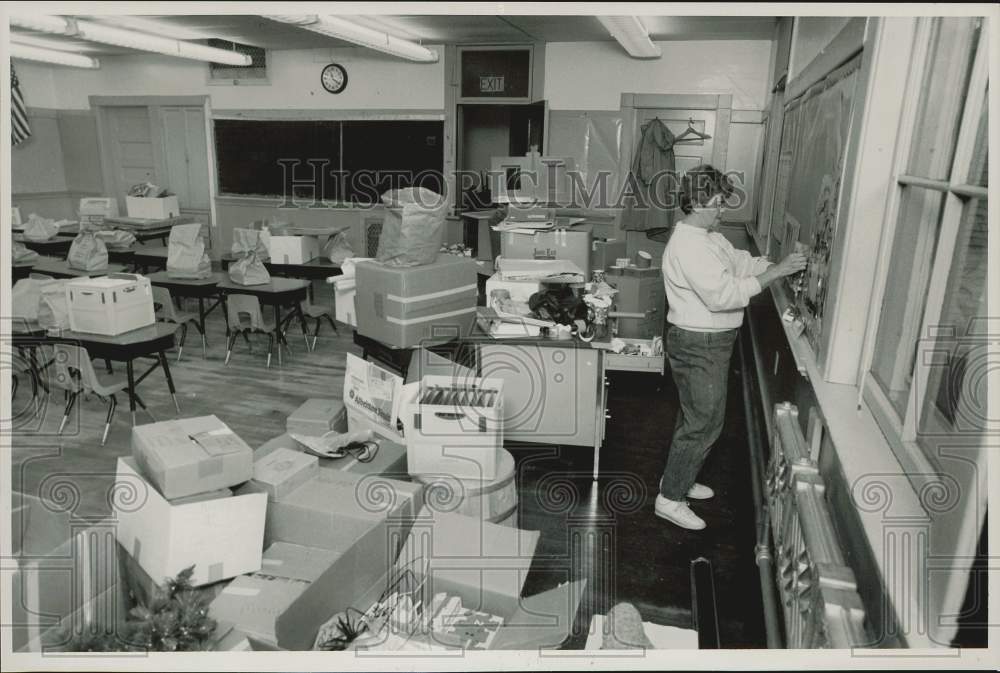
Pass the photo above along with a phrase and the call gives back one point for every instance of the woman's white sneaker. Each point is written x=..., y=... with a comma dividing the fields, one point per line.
x=700, y=492
x=678, y=513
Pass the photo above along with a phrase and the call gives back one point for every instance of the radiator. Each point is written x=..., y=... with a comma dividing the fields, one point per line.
x=821, y=605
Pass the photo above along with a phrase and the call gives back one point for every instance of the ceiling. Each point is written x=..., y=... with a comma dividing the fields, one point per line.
x=430, y=29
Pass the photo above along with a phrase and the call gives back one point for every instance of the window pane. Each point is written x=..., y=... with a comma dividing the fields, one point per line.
x=979, y=173
x=942, y=96
x=905, y=293
x=958, y=386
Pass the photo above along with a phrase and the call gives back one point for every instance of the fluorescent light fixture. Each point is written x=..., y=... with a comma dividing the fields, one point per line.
x=130, y=39
x=631, y=35
x=361, y=35
x=28, y=53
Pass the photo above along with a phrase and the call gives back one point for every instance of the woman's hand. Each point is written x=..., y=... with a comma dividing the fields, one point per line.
x=791, y=264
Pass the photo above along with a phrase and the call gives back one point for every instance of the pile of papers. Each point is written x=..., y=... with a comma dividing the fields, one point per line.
x=547, y=270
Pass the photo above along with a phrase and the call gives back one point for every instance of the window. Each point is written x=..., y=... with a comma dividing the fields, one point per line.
x=921, y=384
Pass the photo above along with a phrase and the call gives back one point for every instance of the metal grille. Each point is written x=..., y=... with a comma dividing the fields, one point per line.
x=373, y=230
x=256, y=70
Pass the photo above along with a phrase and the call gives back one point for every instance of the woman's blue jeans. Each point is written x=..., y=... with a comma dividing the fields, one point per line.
x=700, y=365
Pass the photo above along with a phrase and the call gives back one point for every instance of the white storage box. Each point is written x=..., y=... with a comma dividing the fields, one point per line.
x=292, y=249
x=520, y=290
x=454, y=426
x=109, y=305
x=152, y=209
x=95, y=209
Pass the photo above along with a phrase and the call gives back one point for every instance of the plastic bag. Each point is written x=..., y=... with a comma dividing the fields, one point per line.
x=186, y=256
x=413, y=228
x=338, y=248
x=87, y=253
x=248, y=269
x=53, y=309
x=19, y=253
x=24, y=297
x=116, y=239
x=39, y=228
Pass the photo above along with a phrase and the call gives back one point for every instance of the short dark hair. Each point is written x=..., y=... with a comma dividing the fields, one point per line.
x=700, y=184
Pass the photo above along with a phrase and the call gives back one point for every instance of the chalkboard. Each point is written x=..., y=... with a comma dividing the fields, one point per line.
x=338, y=161
x=810, y=169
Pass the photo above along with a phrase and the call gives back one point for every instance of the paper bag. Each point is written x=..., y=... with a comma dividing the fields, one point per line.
x=20, y=253
x=53, y=309
x=245, y=240
x=116, y=239
x=338, y=248
x=186, y=256
x=87, y=253
x=248, y=269
x=413, y=227
x=24, y=297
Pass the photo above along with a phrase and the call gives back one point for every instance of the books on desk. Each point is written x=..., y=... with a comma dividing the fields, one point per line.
x=545, y=270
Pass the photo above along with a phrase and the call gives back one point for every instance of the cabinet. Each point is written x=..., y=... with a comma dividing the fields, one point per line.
x=554, y=392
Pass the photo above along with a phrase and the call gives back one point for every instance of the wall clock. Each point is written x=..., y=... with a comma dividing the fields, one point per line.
x=334, y=78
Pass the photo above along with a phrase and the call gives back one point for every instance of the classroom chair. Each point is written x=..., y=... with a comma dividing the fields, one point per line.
x=75, y=374
x=245, y=317
x=167, y=312
x=315, y=312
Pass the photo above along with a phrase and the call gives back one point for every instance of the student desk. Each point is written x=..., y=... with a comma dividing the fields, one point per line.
x=59, y=268
x=276, y=293
x=200, y=289
x=151, y=341
x=145, y=229
x=121, y=256
x=318, y=268
x=57, y=245
x=20, y=270
x=149, y=257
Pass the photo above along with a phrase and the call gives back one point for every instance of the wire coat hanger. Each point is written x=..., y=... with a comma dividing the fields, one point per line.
x=692, y=131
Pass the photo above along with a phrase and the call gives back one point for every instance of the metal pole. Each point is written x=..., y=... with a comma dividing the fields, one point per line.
x=762, y=550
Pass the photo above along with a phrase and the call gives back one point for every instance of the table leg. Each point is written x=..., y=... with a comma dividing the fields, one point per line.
x=201, y=320
x=302, y=322
x=131, y=388
x=279, y=333
x=170, y=380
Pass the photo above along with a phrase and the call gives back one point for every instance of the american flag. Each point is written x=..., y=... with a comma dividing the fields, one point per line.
x=19, y=129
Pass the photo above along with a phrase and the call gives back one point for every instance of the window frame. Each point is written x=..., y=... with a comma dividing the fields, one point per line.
x=902, y=432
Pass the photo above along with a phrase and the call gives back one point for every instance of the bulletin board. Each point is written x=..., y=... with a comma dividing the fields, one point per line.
x=810, y=170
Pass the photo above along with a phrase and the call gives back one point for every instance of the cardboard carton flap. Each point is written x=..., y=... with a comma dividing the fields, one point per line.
x=543, y=620
x=463, y=549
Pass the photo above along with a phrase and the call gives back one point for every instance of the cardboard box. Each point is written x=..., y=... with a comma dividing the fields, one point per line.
x=283, y=471
x=297, y=562
x=95, y=209
x=316, y=417
x=334, y=509
x=199, y=497
x=404, y=306
x=483, y=563
x=62, y=572
x=644, y=295
x=187, y=456
x=372, y=396
x=253, y=602
x=344, y=293
x=110, y=305
x=160, y=208
x=603, y=253
x=389, y=460
x=461, y=435
x=568, y=244
x=292, y=249
x=221, y=538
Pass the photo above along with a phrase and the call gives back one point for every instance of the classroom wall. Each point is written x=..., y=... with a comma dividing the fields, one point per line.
x=593, y=75
x=375, y=81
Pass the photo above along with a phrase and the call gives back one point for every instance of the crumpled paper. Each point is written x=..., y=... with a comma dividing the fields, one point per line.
x=148, y=190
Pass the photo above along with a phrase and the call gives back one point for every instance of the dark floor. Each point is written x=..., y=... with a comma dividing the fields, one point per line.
x=605, y=532
x=644, y=559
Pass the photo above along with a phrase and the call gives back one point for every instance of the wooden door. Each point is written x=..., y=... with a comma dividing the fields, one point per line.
x=185, y=153
x=132, y=156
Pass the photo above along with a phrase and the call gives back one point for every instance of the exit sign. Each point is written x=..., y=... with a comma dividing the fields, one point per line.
x=491, y=84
